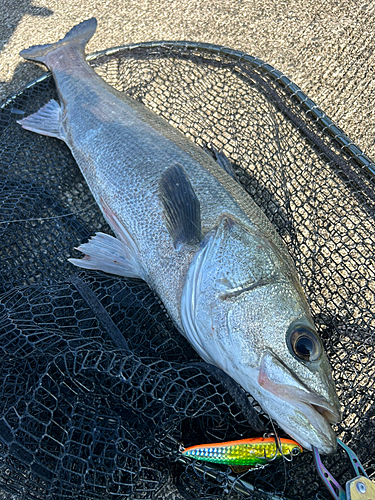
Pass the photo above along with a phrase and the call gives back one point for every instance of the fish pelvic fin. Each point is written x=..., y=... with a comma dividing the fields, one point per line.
x=112, y=255
x=79, y=35
x=106, y=253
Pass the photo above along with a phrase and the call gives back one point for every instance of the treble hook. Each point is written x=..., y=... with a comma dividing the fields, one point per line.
x=278, y=446
x=296, y=451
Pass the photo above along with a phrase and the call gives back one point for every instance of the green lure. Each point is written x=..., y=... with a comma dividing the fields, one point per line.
x=245, y=452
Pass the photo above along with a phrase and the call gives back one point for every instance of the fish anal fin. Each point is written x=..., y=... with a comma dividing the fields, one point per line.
x=46, y=121
x=106, y=253
x=181, y=207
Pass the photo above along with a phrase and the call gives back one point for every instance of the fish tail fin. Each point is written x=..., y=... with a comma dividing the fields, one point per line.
x=79, y=35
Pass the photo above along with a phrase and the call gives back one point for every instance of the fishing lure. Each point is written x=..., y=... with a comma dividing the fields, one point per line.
x=252, y=452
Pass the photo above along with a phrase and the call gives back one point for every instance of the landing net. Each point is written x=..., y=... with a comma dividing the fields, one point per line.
x=83, y=416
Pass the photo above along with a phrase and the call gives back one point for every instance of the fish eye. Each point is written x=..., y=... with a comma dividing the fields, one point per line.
x=304, y=344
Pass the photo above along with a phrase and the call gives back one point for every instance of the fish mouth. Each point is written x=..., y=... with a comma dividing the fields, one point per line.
x=317, y=404
x=330, y=414
x=318, y=419
x=309, y=424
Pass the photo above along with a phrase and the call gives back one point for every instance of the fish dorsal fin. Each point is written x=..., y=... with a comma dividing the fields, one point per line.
x=224, y=163
x=46, y=121
x=181, y=207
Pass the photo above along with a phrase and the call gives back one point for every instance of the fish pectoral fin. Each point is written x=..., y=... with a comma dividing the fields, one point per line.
x=181, y=207
x=106, y=253
x=46, y=121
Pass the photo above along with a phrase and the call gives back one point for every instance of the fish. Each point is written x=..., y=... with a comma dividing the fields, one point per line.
x=186, y=227
x=251, y=452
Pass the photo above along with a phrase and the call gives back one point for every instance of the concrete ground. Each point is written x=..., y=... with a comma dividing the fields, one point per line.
x=326, y=47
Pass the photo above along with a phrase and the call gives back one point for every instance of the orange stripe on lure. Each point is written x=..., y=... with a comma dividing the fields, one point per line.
x=250, y=452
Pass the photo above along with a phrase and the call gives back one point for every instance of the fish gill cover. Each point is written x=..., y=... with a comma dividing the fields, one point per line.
x=84, y=414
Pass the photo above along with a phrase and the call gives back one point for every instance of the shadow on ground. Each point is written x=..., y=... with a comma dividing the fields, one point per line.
x=8, y=26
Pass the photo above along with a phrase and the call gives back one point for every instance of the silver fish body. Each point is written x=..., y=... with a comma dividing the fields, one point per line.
x=233, y=292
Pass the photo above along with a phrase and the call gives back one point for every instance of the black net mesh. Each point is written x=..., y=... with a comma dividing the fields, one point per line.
x=82, y=416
